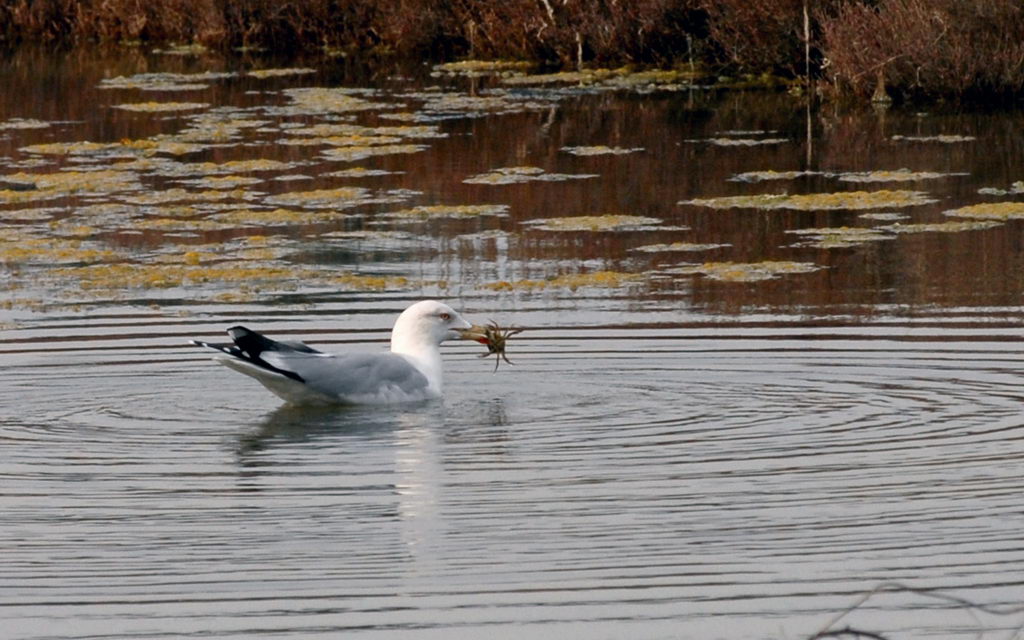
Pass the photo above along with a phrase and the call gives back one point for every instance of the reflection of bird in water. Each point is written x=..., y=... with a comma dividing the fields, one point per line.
x=303, y=375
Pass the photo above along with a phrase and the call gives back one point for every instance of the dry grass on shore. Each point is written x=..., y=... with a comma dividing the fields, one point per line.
x=915, y=48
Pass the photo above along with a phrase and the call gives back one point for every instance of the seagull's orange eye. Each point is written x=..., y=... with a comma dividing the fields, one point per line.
x=446, y=316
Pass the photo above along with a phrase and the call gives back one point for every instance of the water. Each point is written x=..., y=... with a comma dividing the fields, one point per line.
x=671, y=456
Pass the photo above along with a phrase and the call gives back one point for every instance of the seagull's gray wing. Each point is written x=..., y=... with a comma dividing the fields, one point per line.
x=350, y=375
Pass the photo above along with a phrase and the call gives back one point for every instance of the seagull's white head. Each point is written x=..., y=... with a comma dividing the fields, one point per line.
x=426, y=324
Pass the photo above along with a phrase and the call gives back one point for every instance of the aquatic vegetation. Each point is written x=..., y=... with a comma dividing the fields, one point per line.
x=320, y=100
x=221, y=182
x=1016, y=188
x=342, y=141
x=900, y=175
x=358, y=152
x=572, y=281
x=679, y=247
x=192, y=49
x=942, y=227
x=884, y=216
x=61, y=183
x=66, y=148
x=159, y=107
x=612, y=222
x=482, y=67
x=761, y=176
x=818, y=201
x=944, y=138
x=838, y=237
x=23, y=123
x=182, y=195
x=741, y=142
x=600, y=150
x=276, y=73
x=747, y=271
x=327, y=130
x=164, y=81
x=339, y=198
x=452, y=211
x=989, y=211
x=276, y=217
x=519, y=175
x=360, y=172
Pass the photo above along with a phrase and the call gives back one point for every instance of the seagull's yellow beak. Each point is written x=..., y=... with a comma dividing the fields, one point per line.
x=476, y=333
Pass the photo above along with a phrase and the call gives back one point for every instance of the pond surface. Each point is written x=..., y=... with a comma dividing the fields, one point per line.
x=761, y=375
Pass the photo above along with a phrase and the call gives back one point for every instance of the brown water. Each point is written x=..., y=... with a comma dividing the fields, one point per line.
x=730, y=453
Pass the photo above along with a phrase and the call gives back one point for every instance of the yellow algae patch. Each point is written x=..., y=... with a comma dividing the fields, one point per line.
x=519, y=175
x=360, y=172
x=818, y=201
x=839, y=237
x=44, y=213
x=181, y=195
x=989, y=211
x=944, y=138
x=943, y=227
x=360, y=282
x=222, y=182
x=193, y=49
x=586, y=76
x=67, y=182
x=480, y=67
x=354, y=153
x=341, y=141
x=65, y=148
x=900, y=175
x=159, y=107
x=573, y=281
x=741, y=142
x=748, y=271
x=600, y=150
x=276, y=217
x=23, y=123
x=611, y=222
x=346, y=129
x=679, y=246
x=761, y=176
x=49, y=251
x=171, y=224
x=341, y=197
x=452, y=211
x=317, y=100
x=275, y=73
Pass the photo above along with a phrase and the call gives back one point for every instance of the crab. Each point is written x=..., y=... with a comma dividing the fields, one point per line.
x=495, y=338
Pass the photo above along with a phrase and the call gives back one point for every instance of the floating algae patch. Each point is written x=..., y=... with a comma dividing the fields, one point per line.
x=684, y=247
x=900, y=175
x=66, y=148
x=572, y=281
x=989, y=211
x=221, y=182
x=600, y=150
x=274, y=218
x=62, y=183
x=943, y=227
x=340, y=198
x=164, y=81
x=355, y=153
x=884, y=216
x=190, y=169
x=193, y=49
x=360, y=172
x=321, y=100
x=182, y=195
x=52, y=251
x=161, y=107
x=612, y=222
x=325, y=130
x=740, y=142
x=583, y=76
x=448, y=105
x=818, y=201
x=945, y=138
x=838, y=237
x=473, y=68
x=762, y=176
x=28, y=215
x=747, y=271
x=277, y=73
x=519, y=175
x=1016, y=188
x=23, y=123
x=451, y=211
x=341, y=141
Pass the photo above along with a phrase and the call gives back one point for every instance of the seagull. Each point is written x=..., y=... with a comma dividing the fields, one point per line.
x=299, y=374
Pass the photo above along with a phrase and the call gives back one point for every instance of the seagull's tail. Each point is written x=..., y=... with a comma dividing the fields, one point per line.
x=245, y=354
